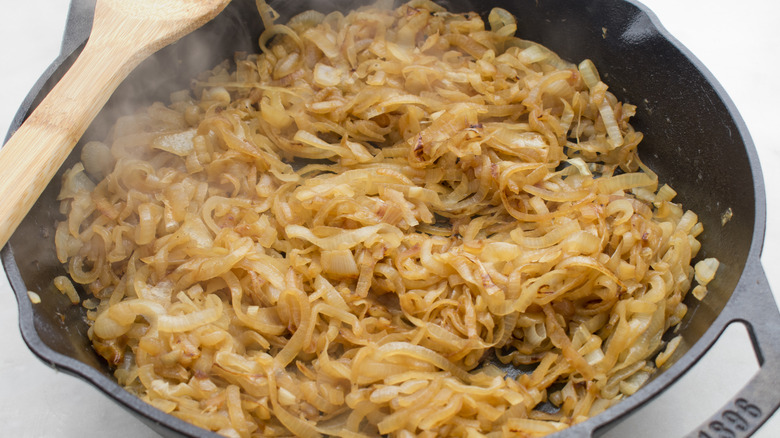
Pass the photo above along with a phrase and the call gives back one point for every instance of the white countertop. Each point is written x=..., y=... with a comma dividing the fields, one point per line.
x=737, y=41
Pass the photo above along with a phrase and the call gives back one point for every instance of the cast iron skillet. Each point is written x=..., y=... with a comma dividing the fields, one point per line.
x=694, y=138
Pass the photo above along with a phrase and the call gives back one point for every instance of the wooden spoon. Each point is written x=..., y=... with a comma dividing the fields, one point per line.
x=124, y=33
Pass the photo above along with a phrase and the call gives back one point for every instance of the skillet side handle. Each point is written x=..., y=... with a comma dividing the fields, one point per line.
x=759, y=398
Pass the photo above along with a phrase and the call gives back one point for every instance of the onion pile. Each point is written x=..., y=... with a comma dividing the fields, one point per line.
x=360, y=229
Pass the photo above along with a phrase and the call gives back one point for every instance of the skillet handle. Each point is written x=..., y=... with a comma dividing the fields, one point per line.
x=759, y=398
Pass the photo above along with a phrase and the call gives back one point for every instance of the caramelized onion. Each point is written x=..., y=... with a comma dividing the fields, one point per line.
x=333, y=235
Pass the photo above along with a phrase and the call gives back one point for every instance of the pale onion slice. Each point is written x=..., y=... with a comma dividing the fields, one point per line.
x=64, y=285
x=671, y=346
x=589, y=73
x=34, y=297
x=326, y=76
x=706, y=269
x=180, y=143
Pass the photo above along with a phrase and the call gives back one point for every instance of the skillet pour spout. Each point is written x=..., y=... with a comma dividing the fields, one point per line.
x=694, y=138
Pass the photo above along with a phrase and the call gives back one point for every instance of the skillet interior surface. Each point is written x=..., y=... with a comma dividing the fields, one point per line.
x=691, y=139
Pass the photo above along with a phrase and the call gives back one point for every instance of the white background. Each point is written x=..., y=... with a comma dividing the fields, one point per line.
x=737, y=40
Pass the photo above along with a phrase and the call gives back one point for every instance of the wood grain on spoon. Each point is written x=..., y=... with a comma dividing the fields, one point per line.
x=124, y=33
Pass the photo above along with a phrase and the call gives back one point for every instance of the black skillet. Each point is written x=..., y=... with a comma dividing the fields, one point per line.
x=694, y=138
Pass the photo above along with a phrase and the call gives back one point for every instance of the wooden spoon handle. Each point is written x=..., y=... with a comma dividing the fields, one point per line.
x=32, y=156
